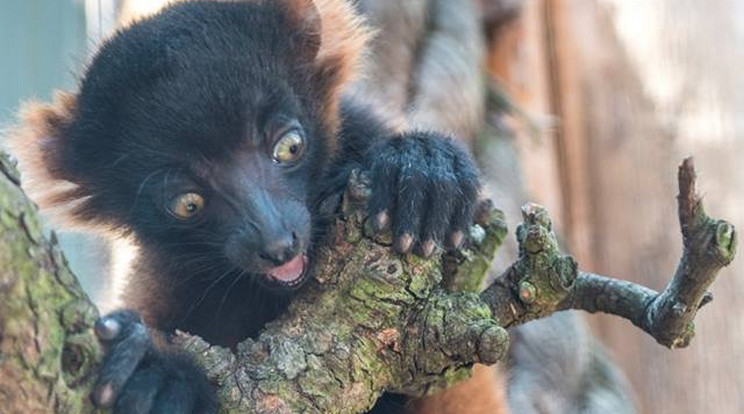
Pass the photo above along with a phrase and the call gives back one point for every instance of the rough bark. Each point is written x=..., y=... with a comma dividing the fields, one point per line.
x=47, y=349
x=370, y=321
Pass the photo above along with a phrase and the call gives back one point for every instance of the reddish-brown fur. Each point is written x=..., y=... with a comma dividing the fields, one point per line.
x=483, y=393
x=31, y=142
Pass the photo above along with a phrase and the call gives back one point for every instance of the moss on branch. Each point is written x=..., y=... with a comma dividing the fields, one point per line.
x=370, y=321
x=47, y=351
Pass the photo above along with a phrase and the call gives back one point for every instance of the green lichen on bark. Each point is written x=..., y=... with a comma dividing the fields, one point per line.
x=47, y=351
x=466, y=269
x=371, y=321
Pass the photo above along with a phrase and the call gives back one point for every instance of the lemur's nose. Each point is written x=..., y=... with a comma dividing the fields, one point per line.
x=281, y=249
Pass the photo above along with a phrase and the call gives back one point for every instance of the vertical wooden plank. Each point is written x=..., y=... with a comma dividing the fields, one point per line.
x=568, y=105
x=619, y=215
x=519, y=61
x=631, y=150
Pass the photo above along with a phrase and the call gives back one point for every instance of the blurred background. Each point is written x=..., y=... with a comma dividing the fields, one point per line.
x=585, y=106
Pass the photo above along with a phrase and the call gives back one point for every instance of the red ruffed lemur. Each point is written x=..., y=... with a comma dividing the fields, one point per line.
x=211, y=134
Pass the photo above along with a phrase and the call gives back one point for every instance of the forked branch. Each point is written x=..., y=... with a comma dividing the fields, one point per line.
x=543, y=281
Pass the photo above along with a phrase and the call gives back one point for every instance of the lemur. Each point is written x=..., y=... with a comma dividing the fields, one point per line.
x=212, y=134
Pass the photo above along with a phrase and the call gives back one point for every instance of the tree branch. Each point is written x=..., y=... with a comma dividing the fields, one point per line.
x=544, y=281
x=48, y=352
x=370, y=321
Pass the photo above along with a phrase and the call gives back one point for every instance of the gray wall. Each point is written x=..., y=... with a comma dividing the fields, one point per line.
x=43, y=46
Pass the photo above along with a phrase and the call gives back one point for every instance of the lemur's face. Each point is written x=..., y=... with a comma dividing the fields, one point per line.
x=229, y=179
x=243, y=195
x=250, y=209
x=202, y=140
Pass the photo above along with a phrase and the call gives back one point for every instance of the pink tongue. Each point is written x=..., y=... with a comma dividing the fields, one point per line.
x=290, y=271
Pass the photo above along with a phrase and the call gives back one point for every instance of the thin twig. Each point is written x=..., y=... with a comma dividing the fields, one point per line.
x=543, y=280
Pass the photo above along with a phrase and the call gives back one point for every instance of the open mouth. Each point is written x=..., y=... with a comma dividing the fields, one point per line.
x=291, y=273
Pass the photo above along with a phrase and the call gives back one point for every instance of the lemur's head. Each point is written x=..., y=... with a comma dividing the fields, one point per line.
x=201, y=131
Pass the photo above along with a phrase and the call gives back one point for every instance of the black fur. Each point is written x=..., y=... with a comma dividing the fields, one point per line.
x=192, y=100
x=138, y=378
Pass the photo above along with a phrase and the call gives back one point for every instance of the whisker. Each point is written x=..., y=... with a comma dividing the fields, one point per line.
x=194, y=243
x=141, y=187
x=238, y=277
x=206, y=292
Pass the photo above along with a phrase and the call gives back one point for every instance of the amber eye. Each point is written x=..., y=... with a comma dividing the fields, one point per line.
x=187, y=205
x=289, y=148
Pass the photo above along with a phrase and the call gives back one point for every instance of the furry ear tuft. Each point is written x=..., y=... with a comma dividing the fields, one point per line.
x=334, y=36
x=306, y=20
x=38, y=144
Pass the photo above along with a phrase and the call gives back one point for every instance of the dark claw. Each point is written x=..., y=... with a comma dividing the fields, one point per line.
x=104, y=396
x=141, y=391
x=126, y=350
x=425, y=188
x=137, y=378
x=456, y=239
x=428, y=247
x=382, y=220
x=107, y=329
x=403, y=243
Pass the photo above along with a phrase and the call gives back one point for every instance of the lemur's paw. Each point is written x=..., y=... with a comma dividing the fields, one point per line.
x=424, y=189
x=137, y=378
